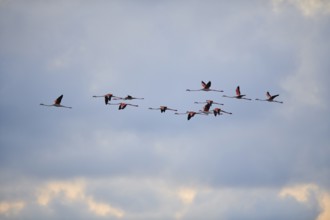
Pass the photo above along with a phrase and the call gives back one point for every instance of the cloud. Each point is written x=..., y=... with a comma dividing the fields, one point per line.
x=324, y=200
x=187, y=195
x=304, y=193
x=138, y=164
x=11, y=208
x=308, y=8
x=74, y=191
x=301, y=192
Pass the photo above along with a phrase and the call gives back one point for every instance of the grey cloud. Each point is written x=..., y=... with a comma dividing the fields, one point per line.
x=156, y=51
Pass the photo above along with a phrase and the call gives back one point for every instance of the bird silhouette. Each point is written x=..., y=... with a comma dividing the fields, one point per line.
x=270, y=98
x=57, y=103
x=128, y=97
x=163, y=109
x=190, y=114
x=205, y=87
x=238, y=95
x=123, y=105
x=107, y=97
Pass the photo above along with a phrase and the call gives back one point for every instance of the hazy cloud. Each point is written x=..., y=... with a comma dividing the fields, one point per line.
x=74, y=191
x=308, y=8
x=11, y=208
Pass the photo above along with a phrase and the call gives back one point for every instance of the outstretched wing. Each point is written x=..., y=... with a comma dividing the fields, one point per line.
x=238, y=91
x=129, y=97
x=58, y=100
x=268, y=95
x=106, y=99
x=208, y=85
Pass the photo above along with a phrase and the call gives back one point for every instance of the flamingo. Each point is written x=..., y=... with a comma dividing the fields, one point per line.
x=122, y=105
x=208, y=104
x=163, y=109
x=190, y=114
x=57, y=103
x=218, y=111
x=107, y=97
x=238, y=95
x=270, y=98
x=128, y=97
x=206, y=87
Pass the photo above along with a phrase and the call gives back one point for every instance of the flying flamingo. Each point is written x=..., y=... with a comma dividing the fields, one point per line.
x=57, y=103
x=122, y=105
x=107, y=97
x=218, y=111
x=208, y=104
x=190, y=114
x=128, y=97
x=270, y=98
x=163, y=109
x=238, y=95
x=206, y=87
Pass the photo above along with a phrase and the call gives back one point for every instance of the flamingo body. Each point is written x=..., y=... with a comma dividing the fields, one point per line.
x=238, y=95
x=107, y=97
x=191, y=114
x=57, y=103
x=122, y=105
x=208, y=105
x=205, y=87
x=270, y=98
x=163, y=109
x=128, y=97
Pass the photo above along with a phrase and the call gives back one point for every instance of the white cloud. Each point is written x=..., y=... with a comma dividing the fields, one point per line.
x=74, y=191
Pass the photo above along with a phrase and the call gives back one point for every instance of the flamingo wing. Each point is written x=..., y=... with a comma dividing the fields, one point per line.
x=208, y=85
x=58, y=100
x=274, y=96
x=106, y=99
x=207, y=107
x=238, y=91
x=122, y=106
x=268, y=95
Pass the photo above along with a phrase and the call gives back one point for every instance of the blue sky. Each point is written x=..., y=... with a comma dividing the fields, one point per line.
x=265, y=161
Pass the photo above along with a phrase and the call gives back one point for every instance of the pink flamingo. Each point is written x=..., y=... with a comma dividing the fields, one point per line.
x=107, y=97
x=270, y=98
x=238, y=95
x=206, y=87
x=218, y=111
x=57, y=103
x=190, y=114
x=122, y=105
x=163, y=109
x=128, y=97
x=208, y=104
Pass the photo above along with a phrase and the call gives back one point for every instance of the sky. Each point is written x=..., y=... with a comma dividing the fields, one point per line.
x=265, y=161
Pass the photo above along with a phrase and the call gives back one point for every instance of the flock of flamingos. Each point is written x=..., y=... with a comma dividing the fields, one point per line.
x=205, y=111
